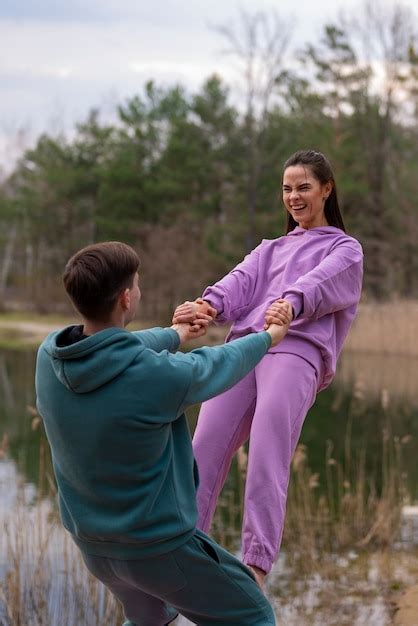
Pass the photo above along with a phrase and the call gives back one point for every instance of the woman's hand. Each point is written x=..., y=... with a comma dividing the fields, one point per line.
x=279, y=312
x=193, y=312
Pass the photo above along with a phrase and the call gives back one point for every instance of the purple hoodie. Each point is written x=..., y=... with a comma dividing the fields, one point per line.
x=319, y=271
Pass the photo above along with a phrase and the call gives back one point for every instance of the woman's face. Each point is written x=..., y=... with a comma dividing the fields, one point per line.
x=304, y=196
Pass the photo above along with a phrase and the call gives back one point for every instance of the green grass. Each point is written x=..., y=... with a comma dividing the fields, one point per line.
x=17, y=338
x=11, y=343
x=23, y=316
x=51, y=318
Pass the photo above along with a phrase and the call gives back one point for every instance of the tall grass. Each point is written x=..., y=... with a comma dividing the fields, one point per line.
x=344, y=507
x=45, y=582
x=385, y=328
x=353, y=510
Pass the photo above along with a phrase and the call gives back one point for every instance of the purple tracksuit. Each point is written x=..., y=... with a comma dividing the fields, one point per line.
x=320, y=272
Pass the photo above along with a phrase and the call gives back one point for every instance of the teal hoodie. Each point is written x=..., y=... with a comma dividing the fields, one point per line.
x=113, y=408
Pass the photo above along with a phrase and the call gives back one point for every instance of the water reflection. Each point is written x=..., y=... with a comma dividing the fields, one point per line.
x=17, y=394
x=377, y=374
x=371, y=396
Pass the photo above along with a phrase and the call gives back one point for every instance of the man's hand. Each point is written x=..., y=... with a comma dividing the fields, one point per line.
x=187, y=332
x=279, y=312
x=277, y=333
x=194, y=312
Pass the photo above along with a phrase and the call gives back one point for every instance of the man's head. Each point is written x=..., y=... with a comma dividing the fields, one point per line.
x=101, y=277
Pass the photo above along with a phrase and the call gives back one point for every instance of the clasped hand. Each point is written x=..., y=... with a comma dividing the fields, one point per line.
x=279, y=312
x=198, y=314
x=193, y=317
x=195, y=312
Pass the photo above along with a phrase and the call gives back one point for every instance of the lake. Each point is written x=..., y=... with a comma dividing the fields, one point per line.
x=366, y=423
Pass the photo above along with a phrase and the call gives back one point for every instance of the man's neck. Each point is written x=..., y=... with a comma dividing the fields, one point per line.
x=90, y=327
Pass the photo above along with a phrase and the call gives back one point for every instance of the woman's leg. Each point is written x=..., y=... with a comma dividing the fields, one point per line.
x=286, y=389
x=223, y=426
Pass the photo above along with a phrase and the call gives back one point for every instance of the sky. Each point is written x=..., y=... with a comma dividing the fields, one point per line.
x=59, y=59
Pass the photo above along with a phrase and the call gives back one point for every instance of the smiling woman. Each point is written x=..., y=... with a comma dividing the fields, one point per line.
x=309, y=192
x=313, y=275
x=304, y=197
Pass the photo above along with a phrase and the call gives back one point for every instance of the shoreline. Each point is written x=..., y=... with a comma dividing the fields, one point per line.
x=387, y=328
x=406, y=607
x=23, y=333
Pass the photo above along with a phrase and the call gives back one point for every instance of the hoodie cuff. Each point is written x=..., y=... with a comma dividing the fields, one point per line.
x=296, y=300
x=175, y=340
x=216, y=302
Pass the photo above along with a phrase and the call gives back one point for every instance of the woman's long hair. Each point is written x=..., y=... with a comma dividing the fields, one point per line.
x=322, y=171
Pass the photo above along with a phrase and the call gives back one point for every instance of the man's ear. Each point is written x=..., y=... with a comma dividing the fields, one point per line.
x=125, y=299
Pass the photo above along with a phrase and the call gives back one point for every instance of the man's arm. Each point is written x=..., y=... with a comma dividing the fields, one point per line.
x=172, y=338
x=159, y=339
x=214, y=370
x=184, y=379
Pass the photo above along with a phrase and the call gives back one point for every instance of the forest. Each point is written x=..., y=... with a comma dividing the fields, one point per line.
x=193, y=180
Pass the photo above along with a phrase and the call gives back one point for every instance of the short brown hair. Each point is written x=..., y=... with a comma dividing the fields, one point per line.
x=96, y=275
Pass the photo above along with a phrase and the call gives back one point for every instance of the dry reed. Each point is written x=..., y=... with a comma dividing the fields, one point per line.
x=345, y=508
x=45, y=581
x=385, y=328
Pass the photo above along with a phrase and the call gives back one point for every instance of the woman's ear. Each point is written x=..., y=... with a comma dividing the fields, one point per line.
x=328, y=189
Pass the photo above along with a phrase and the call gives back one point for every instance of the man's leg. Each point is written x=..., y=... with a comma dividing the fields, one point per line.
x=223, y=426
x=286, y=389
x=200, y=580
x=220, y=590
x=141, y=608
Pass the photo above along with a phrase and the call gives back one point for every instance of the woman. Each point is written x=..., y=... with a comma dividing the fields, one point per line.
x=311, y=276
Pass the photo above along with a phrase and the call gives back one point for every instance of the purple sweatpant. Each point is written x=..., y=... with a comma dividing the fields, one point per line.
x=267, y=407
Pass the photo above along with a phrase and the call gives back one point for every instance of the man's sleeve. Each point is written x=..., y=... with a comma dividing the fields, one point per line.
x=214, y=370
x=333, y=285
x=159, y=339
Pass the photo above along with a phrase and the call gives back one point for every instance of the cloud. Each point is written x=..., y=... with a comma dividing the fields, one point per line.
x=82, y=11
x=50, y=10
x=104, y=52
x=60, y=58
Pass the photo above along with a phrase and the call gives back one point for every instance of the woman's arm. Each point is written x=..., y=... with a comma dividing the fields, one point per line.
x=333, y=285
x=233, y=293
x=226, y=299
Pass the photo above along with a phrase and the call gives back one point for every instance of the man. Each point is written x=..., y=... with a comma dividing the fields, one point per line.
x=113, y=406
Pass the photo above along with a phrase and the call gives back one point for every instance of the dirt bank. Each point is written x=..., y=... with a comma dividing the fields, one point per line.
x=31, y=333
x=25, y=332
x=406, y=613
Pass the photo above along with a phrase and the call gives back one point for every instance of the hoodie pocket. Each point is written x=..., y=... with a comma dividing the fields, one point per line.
x=207, y=546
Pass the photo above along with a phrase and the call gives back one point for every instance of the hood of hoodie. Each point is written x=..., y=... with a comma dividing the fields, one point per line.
x=79, y=366
x=318, y=230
